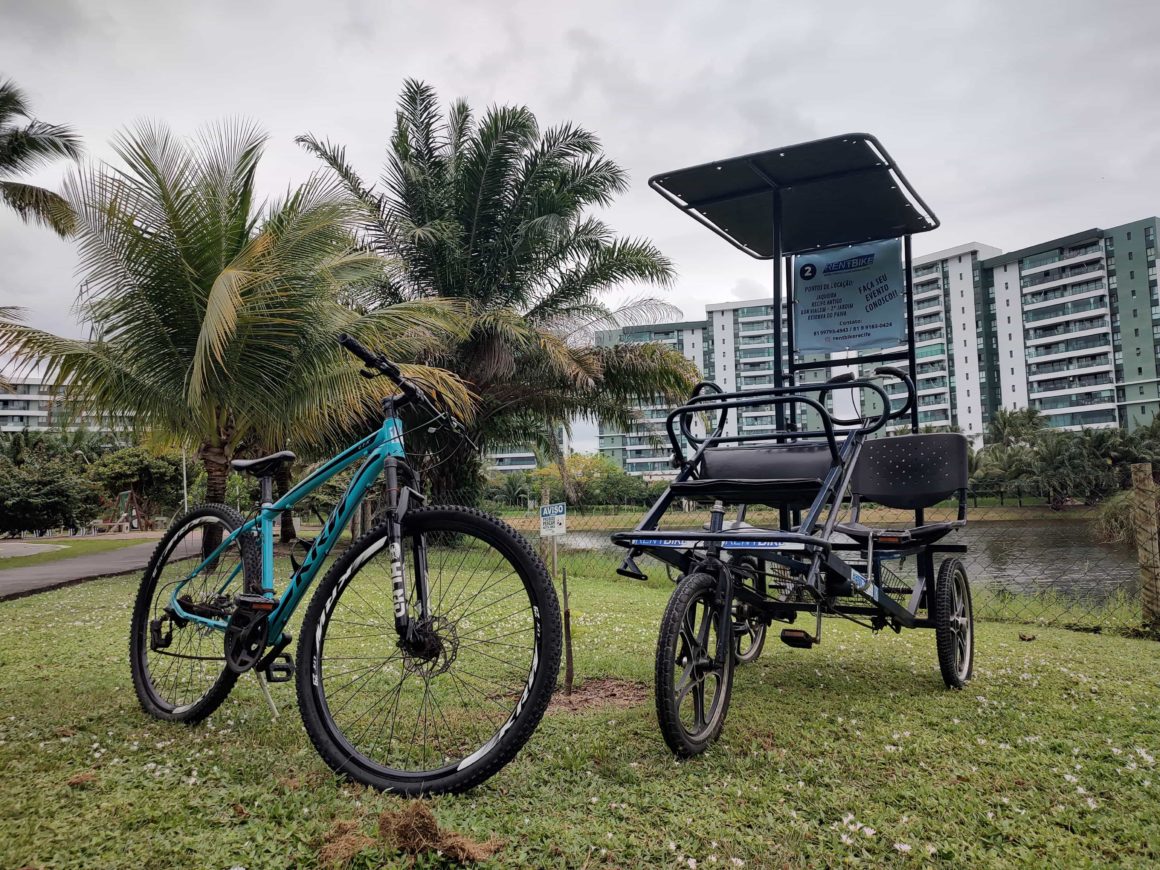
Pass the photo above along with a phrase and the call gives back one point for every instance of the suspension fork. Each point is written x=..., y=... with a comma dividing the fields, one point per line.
x=394, y=542
x=397, y=504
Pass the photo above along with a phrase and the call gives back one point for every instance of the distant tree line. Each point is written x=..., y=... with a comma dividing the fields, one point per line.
x=1022, y=455
x=52, y=479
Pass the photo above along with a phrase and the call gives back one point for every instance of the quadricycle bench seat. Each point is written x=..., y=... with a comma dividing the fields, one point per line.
x=778, y=475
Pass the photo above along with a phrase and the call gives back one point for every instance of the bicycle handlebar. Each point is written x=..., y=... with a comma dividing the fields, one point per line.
x=380, y=364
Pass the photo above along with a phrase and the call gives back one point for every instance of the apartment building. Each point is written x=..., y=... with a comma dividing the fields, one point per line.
x=951, y=334
x=643, y=448
x=736, y=349
x=520, y=457
x=1069, y=326
x=1076, y=323
x=29, y=401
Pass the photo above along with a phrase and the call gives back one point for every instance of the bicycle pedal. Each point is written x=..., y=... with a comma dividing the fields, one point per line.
x=280, y=669
x=255, y=603
x=797, y=638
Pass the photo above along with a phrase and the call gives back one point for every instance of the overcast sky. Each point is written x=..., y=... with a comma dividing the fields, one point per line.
x=1017, y=121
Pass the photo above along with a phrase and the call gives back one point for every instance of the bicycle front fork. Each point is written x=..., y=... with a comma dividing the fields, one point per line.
x=397, y=504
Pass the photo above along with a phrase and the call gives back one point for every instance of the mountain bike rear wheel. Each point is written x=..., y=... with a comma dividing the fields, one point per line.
x=179, y=667
x=449, y=709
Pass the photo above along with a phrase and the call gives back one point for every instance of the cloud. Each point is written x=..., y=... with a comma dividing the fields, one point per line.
x=1016, y=121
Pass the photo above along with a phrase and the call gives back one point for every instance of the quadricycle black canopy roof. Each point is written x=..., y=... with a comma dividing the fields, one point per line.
x=843, y=190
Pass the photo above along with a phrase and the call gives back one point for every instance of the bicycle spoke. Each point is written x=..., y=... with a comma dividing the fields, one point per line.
x=433, y=704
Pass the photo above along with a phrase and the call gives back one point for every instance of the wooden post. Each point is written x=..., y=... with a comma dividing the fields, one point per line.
x=568, y=672
x=1144, y=522
x=545, y=499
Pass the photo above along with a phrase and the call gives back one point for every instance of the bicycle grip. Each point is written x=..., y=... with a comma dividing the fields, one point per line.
x=356, y=347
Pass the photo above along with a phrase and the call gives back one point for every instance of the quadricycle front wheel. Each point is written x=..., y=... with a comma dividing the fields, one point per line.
x=446, y=709
x=694, y=666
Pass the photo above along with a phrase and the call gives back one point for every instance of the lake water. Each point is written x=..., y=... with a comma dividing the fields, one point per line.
x=1020, y=557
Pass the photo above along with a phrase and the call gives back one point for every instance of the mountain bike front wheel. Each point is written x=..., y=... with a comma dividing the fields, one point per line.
x=448, y=709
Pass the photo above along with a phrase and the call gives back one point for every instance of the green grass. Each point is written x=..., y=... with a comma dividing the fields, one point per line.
x=69, y=549
x=1048, y=758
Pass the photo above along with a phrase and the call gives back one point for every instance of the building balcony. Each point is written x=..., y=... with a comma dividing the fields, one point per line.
x=1063, y=310
x=1047, y=281
x=1067, y=258
x=1036, y=337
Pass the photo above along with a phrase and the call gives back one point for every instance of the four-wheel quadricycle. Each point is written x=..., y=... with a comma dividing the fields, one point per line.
x=825, y=456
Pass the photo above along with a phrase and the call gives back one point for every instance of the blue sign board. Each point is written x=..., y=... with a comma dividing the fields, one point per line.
x=849, y=298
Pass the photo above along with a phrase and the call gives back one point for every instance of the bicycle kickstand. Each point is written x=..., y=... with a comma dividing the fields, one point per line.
x=265, y=693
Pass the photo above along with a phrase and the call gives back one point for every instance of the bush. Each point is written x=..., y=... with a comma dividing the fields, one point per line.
x=44, y=494
x=1115, y=522
x=155, y=480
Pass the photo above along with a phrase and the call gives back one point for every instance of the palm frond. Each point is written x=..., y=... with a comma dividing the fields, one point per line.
x=37, y=205
x=13, y=102
x=25, y=148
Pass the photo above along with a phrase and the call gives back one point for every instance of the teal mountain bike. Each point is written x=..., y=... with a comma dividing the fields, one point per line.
x=428, y=653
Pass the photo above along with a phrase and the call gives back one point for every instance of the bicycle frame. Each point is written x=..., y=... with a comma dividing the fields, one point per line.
x=383, y=448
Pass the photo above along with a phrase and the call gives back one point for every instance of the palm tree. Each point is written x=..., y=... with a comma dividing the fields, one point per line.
x=1010, y=427
x=493, y=212
x=515, y=489
x=212, y=317
x=26, y=143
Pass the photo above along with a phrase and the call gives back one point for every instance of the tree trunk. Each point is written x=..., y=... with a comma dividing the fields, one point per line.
x=455, y=480
x=282, y=484
x=217, y=471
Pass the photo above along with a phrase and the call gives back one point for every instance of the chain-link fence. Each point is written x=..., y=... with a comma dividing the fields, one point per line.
x=1087, y=567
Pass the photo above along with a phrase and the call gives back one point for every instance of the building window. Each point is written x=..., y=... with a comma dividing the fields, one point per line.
x=1008, y=322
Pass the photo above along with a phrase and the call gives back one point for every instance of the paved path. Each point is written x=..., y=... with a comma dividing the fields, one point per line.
x=17, y=582
x=13, y=549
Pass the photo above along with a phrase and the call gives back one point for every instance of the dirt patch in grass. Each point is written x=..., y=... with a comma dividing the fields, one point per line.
x=602, y=692
x=81, y=780
x=342, y=842
x=414, y=830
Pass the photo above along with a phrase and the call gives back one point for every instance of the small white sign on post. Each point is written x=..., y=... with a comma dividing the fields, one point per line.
x=553, y=520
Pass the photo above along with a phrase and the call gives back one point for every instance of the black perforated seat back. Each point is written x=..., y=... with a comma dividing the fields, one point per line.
x=911, y=471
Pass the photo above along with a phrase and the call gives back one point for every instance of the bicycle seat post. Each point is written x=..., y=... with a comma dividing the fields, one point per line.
x=266, y=490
